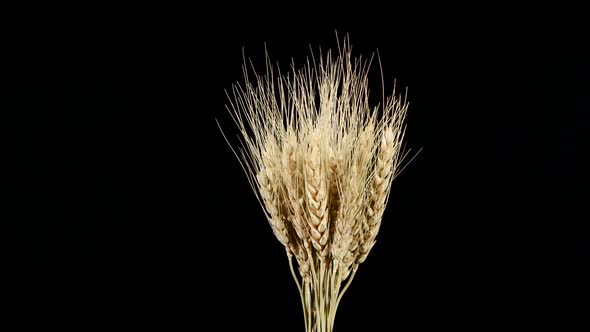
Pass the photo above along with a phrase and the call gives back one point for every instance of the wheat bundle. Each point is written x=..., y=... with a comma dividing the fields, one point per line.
x=321, y=161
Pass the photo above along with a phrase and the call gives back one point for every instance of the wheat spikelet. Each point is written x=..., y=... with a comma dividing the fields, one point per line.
x=378, y=193
x=271, y=201
x=317, y=198
x=321, y=162
x=291, y=164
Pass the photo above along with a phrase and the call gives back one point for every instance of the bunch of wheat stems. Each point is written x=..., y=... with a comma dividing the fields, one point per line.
x=321, y=161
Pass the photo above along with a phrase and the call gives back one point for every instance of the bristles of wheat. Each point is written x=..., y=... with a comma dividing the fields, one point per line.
x=321, y=161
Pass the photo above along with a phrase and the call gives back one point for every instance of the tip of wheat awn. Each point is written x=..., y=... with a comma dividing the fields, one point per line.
x=321, y=161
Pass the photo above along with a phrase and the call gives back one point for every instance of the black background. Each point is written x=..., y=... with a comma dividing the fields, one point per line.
x=125, y=209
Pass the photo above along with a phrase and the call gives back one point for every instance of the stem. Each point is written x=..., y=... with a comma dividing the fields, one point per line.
x=321, y=293
x=344, y=289
x=334, y=293
x=347, y=284
x=293, y=273
x=301, y=295
x=308, y=312
x=321, y=316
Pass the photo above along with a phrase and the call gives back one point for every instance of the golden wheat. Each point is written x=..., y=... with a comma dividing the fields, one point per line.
x=321, y=162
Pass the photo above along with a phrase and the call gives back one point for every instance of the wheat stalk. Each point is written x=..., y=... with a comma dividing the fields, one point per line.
x=321, y=162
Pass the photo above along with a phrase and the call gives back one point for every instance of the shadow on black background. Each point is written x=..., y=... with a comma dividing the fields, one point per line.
x=125, y=207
